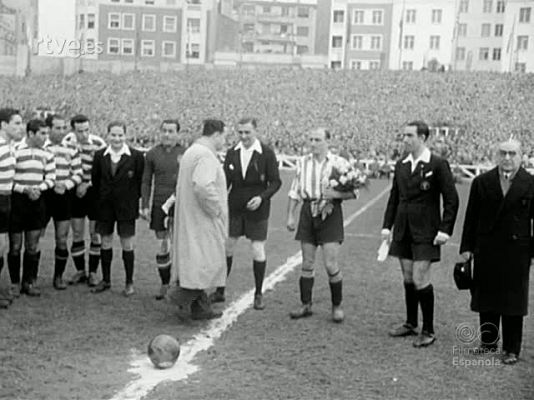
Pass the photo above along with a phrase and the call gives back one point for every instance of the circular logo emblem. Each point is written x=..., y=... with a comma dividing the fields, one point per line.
x=425, y=185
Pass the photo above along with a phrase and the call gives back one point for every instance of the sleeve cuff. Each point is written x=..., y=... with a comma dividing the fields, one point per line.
x=443, y=234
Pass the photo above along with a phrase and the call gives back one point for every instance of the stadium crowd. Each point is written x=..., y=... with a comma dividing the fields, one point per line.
x=363, y=109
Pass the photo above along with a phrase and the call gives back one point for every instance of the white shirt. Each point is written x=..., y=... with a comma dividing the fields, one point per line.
x=116, y=156
x=246, y=154
x=424, y=157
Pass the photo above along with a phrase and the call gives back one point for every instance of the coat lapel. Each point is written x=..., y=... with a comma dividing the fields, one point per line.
x=237, y=163
x=107, y=164
x=253, y=163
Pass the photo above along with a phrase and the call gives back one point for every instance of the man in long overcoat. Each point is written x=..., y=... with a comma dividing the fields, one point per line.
x=200, y=223
x=498, y=235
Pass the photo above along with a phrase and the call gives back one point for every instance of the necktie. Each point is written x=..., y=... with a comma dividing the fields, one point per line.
x=507, y=175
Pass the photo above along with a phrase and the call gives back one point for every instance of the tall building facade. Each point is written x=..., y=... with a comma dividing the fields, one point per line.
x=518, y=37
x=422, y=34
x=360, y=34
x=146, y=30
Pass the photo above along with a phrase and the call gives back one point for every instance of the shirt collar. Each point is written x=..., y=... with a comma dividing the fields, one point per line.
x=256, y=146
x=424, y=157
x=124, y=150
x=510, y=177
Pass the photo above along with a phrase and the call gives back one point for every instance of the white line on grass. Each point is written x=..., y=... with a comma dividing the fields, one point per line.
x=149, y=376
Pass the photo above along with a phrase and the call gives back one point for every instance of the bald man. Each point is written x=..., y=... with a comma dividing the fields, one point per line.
x=312, y=229
x=498, y=235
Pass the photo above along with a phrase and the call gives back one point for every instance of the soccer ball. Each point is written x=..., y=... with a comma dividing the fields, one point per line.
x=163, y=351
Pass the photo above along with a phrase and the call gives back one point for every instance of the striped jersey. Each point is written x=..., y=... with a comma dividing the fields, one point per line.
x=68, y=164
x=7, y=167
x=87, y=151
x=33, y=167
x=312, y=176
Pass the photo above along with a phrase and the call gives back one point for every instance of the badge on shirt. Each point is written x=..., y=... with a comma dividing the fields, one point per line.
x=262, y=177
x=231, y=167
x=130, y=174
x=425, y=185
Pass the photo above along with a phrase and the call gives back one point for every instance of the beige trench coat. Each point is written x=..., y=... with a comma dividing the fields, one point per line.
x=200, y=219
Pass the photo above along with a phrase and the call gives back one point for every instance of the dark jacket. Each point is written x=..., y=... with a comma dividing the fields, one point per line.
x=261, y=179
x=414, y=200
x=498, y=231
x=118, y=195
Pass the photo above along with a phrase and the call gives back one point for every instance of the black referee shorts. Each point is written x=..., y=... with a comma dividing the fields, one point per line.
x=243, y=225
x=408, y=249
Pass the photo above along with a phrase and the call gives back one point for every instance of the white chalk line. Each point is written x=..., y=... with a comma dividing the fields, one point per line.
x=149, y=376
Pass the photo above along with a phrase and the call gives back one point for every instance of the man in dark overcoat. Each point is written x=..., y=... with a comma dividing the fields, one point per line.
x=498, y=235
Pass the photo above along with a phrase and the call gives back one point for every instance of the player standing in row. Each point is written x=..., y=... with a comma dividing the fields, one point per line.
x=161, y=166
x=252, y=178
x=83, y=201
x=58, y=201
x=35, y=173
x=11, y=130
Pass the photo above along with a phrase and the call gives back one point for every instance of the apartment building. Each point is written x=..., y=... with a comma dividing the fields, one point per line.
x=518, y=37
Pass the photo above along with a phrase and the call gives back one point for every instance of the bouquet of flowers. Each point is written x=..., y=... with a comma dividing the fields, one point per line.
x=342, y=178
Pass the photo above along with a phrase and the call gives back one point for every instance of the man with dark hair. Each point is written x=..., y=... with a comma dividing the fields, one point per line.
x=10, y=131
x=161, y=166
x=83, y=202
x=498, y=234
x=116, y=176
x=58, y=201
x=200, y=224
x=35, y=173
x=413, y=211
x=252, y=177
x=313, y=229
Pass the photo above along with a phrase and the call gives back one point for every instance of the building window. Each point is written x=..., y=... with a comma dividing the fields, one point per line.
x=374, y=65
x=193, y=25
x=115, y=1
x=169, y=24
x=149, y=22
x=90, y=46
x=285, y=11
x=91, y=21
x=483, y=54
x=337, y=42
x=501, y=5
x=303, y=12
x=409, y=41
x=357, y=42
x=499, y=29
x=464, y=6
x=520, y=67
x=81, y=21
x=128, y=47
x=358, y=17
x=302, y=49
x=497, y=54
x=524, y=15
x=128, y=1
x=114, y=21
x=248, y=28
x=436, y=16
x=339, y=16
x=462, y=30
x=148, y=48
x=376, y=42
x=266, y=9
x=355, y=64
x=171, y=2
x=522, y=42
x=303, y=31
x=486, y=30
x=114, y=46
x=192, y=51
x=248, y=10
x=378, y=17
x=335, y=64
x=434, y=42
x=168, y=49
x=149, y=2
x=460, y=54
x=128, y=21
x=410, y=16
x=487, y=6
x=407, y=65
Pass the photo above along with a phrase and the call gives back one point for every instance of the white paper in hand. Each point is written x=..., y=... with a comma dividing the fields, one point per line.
x=383, y=251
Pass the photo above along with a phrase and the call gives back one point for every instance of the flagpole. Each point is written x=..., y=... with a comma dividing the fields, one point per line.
x=401, y=32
